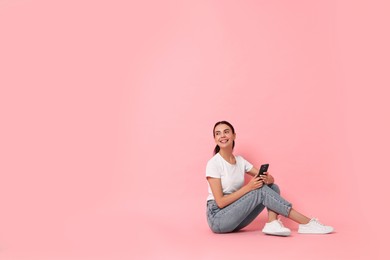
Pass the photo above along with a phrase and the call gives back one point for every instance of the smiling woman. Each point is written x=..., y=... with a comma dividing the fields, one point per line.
x=231, y=205
x=225, y=135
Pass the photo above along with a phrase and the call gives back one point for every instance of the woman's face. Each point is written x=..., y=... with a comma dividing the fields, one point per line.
x=224, y=136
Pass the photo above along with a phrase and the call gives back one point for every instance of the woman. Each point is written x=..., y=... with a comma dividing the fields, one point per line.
x=231, y=205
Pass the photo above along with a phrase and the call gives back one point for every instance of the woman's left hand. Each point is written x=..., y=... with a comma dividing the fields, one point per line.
x=267, y=178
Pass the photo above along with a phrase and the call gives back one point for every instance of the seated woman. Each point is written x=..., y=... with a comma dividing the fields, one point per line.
x=231, y=205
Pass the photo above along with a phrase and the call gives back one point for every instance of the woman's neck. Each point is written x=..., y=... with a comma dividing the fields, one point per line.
x=228, y=155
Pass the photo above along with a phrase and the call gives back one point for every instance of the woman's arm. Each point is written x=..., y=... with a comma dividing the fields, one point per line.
x=253, y=171
x=268, y=178
x=224, y=200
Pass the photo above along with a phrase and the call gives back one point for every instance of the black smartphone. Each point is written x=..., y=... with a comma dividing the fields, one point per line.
x=263, y=169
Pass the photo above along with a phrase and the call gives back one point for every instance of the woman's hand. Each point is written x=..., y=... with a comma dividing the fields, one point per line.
x=255, y=183
x=267, y=178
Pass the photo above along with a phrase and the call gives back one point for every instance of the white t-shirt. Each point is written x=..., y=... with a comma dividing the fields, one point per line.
x=231, y=175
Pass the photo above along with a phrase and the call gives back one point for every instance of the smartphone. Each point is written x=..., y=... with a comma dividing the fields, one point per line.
x=263, y=169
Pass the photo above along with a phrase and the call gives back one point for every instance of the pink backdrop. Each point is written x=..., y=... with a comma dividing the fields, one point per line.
x=107, y=109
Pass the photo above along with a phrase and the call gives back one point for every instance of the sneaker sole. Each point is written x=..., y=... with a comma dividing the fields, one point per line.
x=315, y=232
x=281, y=234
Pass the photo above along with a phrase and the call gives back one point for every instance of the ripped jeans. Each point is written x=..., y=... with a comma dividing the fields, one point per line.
x=243, y=211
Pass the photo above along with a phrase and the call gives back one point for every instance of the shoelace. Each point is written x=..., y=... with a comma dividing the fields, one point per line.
x=318, y=222
x=280, y=222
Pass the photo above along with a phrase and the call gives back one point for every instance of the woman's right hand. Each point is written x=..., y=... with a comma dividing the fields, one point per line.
x=255, y=183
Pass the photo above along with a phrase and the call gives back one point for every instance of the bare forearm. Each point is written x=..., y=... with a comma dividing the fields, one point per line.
x=225, y=200
x=230, y=198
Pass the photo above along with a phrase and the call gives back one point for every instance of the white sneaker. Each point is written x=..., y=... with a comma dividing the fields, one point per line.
x=314, y=227
x=276, y=228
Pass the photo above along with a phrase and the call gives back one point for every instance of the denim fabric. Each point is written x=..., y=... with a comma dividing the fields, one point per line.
x=243, y=211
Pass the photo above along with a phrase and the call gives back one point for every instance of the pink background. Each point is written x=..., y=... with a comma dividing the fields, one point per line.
x=107, y=109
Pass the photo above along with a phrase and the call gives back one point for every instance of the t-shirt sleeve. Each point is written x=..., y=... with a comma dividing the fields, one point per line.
x=212, y=170
x=247, y=165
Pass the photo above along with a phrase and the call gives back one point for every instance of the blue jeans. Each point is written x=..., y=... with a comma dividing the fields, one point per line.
x=243, y=211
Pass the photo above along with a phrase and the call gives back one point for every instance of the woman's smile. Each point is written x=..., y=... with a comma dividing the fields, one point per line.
x=224, y=141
